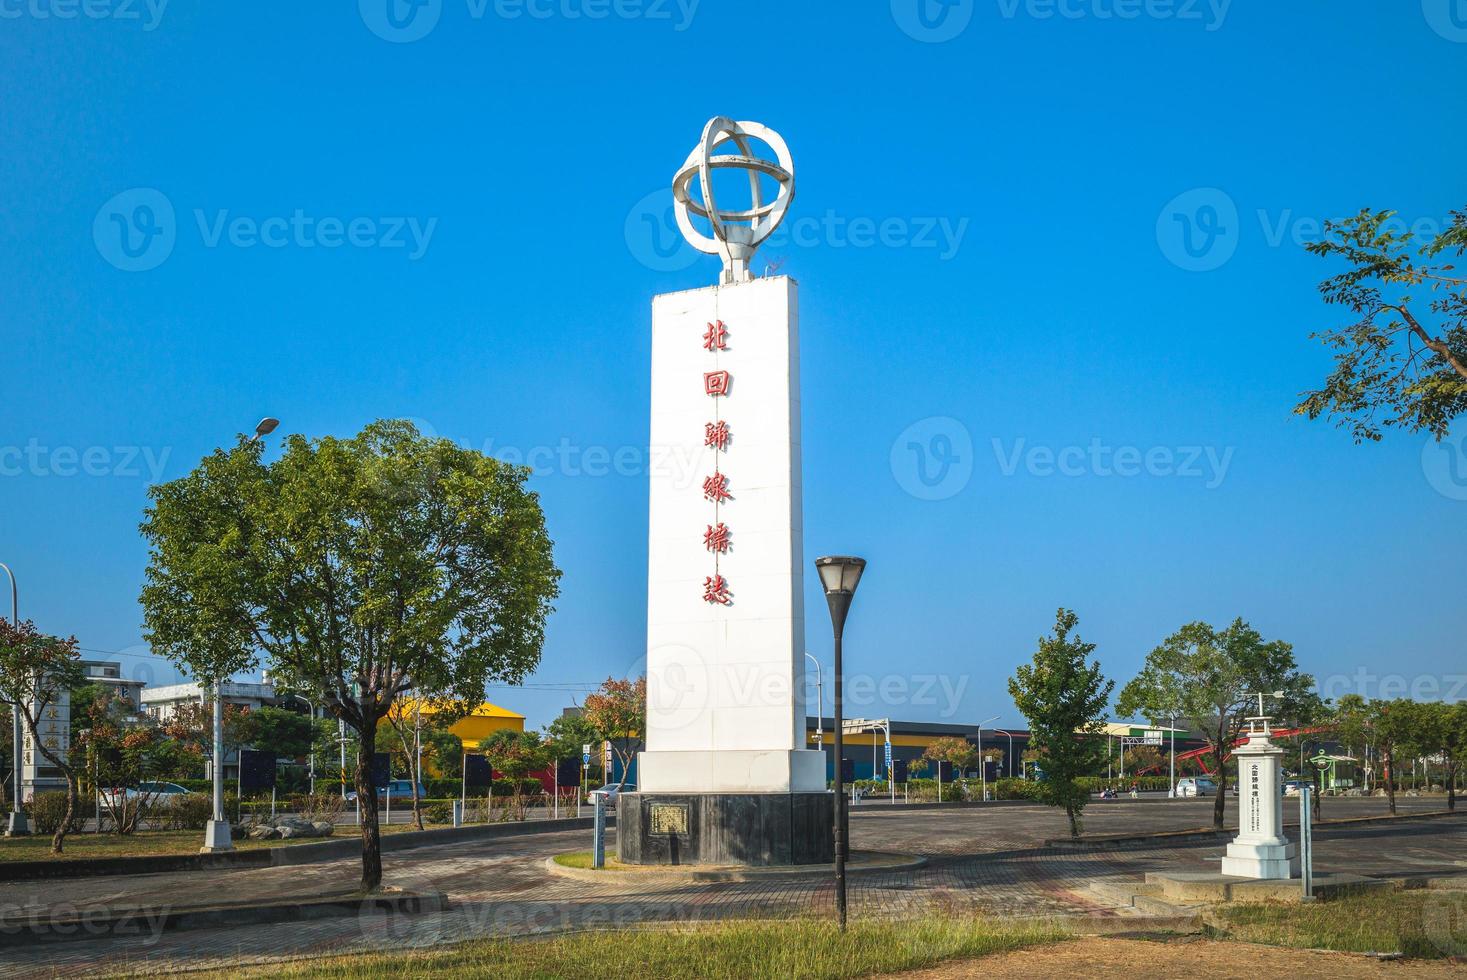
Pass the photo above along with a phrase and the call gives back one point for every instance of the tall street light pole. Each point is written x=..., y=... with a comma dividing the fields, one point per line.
x=982, y=762
x=17, y=826
x=839, y=576
x=217, y=833
x=819, y=707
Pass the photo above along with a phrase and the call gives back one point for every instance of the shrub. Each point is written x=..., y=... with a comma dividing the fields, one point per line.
x=1014, y=789
x=439, y=813
x=47, y=811
x=192, y=812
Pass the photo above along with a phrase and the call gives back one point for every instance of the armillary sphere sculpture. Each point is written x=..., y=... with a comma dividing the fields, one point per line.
x=736, y=234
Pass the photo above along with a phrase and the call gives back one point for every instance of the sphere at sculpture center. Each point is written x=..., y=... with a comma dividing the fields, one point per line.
x=736, y=234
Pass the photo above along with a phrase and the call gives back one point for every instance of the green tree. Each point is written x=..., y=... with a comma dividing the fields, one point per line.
x=1441, y=729
x=286, y=733
x=34, y=670
x=618, y=714
x=1212, y=678
x=958, y=754
x=566, y=736
x=1064, y=696
x=357, y=568
x=1389, y=728
x=1402, y=362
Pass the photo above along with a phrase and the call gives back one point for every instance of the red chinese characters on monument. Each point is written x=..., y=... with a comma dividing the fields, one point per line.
x=716, y=538
x=717, y=383
x=715, y=590
x=715, y=488
x=716, y=337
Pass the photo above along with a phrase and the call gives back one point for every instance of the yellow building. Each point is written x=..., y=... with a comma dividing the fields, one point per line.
x=473, y=728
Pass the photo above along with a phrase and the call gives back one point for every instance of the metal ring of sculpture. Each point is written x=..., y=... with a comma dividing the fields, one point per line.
x=736, y=234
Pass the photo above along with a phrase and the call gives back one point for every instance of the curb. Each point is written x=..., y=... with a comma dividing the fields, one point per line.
x=90, y=924
x=1170, y=836
x=283, y=856
x=908, y=862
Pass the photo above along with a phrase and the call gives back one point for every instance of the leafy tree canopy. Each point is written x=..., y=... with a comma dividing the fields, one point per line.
x=1402, y=361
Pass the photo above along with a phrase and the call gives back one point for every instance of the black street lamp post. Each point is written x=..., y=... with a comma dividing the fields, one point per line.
x=839, y=576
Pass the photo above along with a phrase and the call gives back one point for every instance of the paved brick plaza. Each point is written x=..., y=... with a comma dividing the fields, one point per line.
x=980, y=860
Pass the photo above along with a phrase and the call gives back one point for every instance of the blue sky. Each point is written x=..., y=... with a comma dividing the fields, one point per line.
x=1023, y=228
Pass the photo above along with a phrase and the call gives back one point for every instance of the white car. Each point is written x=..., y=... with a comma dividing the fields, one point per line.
x=609, y=793
x=1196, y=786
x=150, y=792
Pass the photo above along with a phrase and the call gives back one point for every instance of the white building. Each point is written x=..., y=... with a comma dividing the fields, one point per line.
x=162, y=703
x=38, y=775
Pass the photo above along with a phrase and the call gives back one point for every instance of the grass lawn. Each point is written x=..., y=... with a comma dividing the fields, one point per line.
x=1418, y=924
x=805, y=949
x=146, y=843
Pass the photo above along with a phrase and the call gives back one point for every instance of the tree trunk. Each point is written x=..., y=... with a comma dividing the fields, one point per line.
x=1219, y=749
x=1388, y=759
x=1452, y=785
x=1074, y=821
x=417, y=808
x=367, y=803
x=58, y=839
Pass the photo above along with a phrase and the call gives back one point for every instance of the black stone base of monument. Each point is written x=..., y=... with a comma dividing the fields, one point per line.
x=747, y=829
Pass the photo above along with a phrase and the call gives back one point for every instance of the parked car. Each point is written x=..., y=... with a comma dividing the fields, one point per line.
x=152, y=792
x=609, y=793
x=402, y=789
x=1196, y=786
x=1295, y=786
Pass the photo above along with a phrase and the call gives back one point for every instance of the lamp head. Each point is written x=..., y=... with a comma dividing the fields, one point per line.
x=839, y=576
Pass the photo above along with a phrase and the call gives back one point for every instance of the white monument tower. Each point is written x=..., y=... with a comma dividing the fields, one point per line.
x=726, y=777
x=1260, y=850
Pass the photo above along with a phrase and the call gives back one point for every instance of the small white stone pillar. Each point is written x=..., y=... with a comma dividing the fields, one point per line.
x=1260, y=850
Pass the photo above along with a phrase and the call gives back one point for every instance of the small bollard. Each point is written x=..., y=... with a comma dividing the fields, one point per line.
x=598, y=852
x=458, y=813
